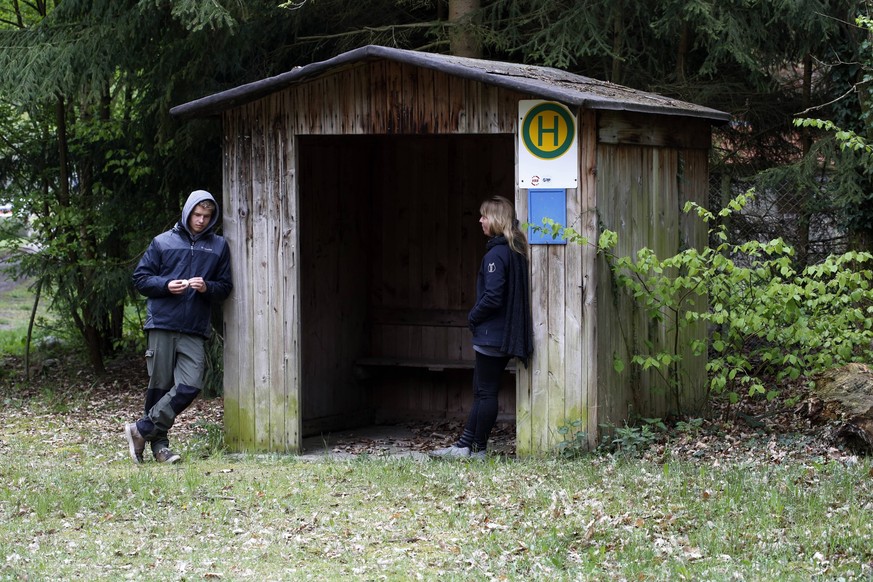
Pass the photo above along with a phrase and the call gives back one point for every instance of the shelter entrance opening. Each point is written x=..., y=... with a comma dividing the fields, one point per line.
x=390, y=245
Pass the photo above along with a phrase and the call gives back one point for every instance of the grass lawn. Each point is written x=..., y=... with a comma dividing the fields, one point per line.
x=73, y=506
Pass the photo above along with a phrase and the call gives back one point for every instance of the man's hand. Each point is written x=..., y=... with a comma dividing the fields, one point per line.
x=198, y=284
x=178, y=286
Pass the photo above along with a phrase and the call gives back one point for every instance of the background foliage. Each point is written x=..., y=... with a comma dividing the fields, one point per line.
x=89, y=154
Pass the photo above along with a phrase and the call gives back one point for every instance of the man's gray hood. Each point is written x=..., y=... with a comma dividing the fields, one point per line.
x=195, y=198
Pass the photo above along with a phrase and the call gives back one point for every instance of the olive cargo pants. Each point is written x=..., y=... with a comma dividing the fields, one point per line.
x=176, y=364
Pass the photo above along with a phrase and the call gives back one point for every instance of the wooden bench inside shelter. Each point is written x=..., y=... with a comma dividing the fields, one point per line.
x=431, y=339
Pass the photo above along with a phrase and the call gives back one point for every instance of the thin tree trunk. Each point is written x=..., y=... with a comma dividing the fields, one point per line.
x=802, y=244
x=63, y=151
x=85, y=322
x=681, y=53
x=618, y=29
x=30, y=322
x=462, y=37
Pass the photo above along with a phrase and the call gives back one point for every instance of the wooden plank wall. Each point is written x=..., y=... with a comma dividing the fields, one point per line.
x=234, y=217
x=694, y=185
x=641, y=190
x=426, y=265
x=430, y=241
x=261, y=329
x=590, y=228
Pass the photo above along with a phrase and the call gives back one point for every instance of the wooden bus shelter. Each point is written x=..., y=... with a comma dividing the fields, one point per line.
x=351, y=196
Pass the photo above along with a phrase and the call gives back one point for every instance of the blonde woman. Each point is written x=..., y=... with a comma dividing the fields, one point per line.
x=500, y=321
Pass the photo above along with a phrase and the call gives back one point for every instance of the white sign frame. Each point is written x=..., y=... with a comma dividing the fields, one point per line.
x=548, y=152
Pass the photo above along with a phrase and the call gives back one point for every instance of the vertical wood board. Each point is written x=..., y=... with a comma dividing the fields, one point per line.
x=590, y=280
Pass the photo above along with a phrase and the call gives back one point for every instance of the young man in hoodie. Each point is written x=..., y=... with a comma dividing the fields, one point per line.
x=184, y=271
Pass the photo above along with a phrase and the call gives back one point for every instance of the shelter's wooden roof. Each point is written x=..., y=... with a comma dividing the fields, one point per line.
x=543, y=82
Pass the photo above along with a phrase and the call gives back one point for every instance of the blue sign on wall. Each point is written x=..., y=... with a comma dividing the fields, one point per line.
x=546, y=203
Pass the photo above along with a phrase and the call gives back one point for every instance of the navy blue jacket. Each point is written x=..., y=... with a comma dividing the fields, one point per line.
x=501, y=317
x=178, y=254
x=488, y=316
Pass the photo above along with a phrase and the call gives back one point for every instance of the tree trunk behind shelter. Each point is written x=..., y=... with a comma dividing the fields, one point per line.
x=463, y=40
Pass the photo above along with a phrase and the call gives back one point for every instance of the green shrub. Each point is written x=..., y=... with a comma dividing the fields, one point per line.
x=574, y=443
x=630, y=441
x=769, y=319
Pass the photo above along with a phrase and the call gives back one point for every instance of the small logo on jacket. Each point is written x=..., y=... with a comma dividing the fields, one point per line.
x=492, y=267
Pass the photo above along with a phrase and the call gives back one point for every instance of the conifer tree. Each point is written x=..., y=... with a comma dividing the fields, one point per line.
x=95, y=159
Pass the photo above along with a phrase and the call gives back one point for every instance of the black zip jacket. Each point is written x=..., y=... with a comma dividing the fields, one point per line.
x=177, y=254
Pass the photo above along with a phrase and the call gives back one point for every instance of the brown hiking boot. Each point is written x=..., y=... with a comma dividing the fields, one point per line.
x=135, y=442
x=165, y=455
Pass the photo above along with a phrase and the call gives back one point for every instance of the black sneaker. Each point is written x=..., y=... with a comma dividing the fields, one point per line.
x=165, y=455
x=135, y=442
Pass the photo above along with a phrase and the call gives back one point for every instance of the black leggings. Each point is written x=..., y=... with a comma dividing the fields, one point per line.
x=486, y=384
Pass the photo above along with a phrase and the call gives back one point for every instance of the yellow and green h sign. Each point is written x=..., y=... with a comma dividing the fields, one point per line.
x=548, y=131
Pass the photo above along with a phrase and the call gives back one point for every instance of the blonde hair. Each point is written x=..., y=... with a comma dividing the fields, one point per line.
x=501, y=219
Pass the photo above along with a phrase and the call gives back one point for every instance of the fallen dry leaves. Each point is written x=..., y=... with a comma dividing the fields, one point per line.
x=70, y=393
x=753, y=431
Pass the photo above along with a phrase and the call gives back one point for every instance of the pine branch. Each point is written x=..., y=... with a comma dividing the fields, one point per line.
x=374, y=29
